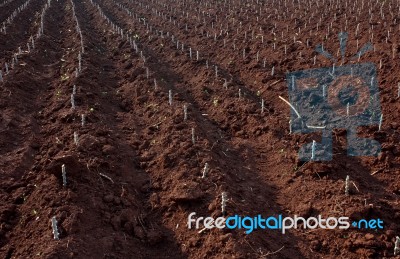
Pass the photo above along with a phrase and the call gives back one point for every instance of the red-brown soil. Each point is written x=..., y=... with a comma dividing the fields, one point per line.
x=135, y=174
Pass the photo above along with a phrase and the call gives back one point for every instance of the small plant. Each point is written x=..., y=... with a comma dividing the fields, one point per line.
x=56, y=235
x=170, y=97
x=64, y=77
x=64, y=175
x=193, y=137
x=215, y=102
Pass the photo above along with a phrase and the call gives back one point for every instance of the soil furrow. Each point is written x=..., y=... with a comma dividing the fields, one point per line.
x=19, y=31
x=24, y=131
x=237, y=153
x=7, y=9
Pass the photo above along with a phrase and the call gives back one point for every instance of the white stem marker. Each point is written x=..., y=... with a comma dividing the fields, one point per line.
x=205, y=170
x=313, y=150
x=347, y=185
x=223, y=203
x=55, y=229
x=64, y=175
x=397, y=246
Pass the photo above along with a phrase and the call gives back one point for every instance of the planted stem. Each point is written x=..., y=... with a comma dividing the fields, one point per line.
x=347, y=185
x=64, y=175
x=184, y=112
x=397, y=246
x=76, y=139
x=79, y=62
x=313, y=150
x=223, y=202
x=398, y=91
x=262, y=105
x=205, y=170
x=55, y=229
x=72, y=101
x=293, y=83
